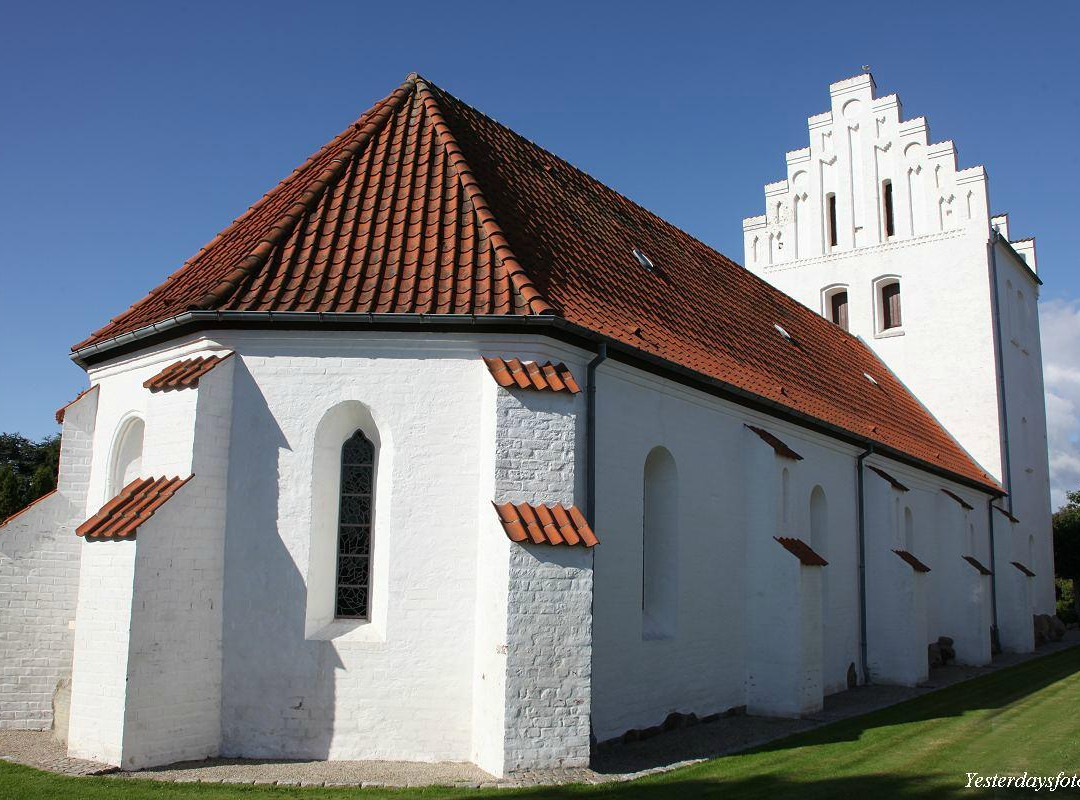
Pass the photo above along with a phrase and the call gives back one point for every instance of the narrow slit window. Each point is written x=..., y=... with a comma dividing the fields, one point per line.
x=354, y=528
x=830, y=206
x=890, y=305
x=887, y=203
x=838, y=309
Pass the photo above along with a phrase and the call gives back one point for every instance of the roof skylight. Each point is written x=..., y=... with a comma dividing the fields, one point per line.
x=644, y=260
x=782, y=332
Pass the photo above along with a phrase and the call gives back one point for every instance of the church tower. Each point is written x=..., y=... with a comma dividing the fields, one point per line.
x=874, y=227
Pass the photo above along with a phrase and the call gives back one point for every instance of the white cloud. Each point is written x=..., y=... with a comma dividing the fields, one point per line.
x=1059, y=321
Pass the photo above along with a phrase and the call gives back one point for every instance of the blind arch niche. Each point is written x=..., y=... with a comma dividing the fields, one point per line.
x=125, y=464
x=660, y=546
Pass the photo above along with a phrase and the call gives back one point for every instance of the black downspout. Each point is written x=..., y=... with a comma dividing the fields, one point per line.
x=862, y=564
x=590, y=476
x=590, y=442
x=995, y=642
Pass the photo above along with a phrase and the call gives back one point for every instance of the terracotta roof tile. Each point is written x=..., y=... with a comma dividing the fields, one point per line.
x=540, y=524
x=802, y=551
x=514, y=373
x=1006, y=514
x=425, y=205
x=120, y=517
x=776, y=444
x=183, y=374
x=1023, y=569
x=60, y=411
x=978, y=565
x=893, y=481
x=913, y=562
x=966, y=505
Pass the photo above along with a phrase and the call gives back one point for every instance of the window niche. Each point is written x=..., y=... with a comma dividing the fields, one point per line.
x=126, y=462
x=834, y=301
x=660, y=546
x=887, y=307
x=348, y=554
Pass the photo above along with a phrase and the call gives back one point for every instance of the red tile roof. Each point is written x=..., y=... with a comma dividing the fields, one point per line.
x=978, y=565
x=545, y=524
x=1007, y=515
x=1023, y=569
x=913, y=562
x=425, y=205
x=183, y=374
x=775, y=443
x=893, y=481
x=120, y=517
x=966, y=505
x=802, y=551
x=513, y=373
x=61, y=411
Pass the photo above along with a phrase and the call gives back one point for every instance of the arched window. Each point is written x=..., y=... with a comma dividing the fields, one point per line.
x=127, y=456
x=660, y=545
x=830, y=219
x=887, y=291
x=887, y=206
x=353, y=584
x=835, y=305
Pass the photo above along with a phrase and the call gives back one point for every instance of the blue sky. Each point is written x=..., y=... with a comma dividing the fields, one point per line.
x=132, y=133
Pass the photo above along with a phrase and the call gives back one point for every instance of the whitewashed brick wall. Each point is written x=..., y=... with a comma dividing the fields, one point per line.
x=174, y=666
x=549, y=615
x=39, y=574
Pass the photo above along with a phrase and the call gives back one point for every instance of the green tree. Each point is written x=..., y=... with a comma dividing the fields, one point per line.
x=1067, y=545
x=27, y=470
x=10, y=496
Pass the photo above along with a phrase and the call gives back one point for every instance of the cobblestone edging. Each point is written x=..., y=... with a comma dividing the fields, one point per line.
x=611, y=764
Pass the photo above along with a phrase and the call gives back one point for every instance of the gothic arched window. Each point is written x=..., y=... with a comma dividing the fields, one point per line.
x=353, y=586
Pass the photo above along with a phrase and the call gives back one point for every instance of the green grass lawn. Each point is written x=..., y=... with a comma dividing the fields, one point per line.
x=1023, y=719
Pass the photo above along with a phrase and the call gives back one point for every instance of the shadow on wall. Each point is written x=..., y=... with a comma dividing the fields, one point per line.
x=278, y=689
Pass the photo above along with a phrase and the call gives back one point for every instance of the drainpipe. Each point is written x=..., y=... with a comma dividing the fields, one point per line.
x=590, y=442
x=1003, y=421
x=590, y=477
x=995, y=644
x=862, y=562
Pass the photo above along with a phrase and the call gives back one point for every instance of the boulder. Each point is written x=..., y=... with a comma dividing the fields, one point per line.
x=948, y=652
x=1042, y=628
x=933, y=655
x=1057, y=629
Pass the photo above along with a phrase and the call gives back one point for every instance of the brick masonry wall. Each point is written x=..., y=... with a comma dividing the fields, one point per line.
x=39, y=574
x=549, y=610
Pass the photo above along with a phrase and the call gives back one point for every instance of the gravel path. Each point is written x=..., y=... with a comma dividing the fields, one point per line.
x=618, y=762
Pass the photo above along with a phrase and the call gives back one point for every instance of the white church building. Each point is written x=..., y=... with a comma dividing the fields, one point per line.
x=445, y=451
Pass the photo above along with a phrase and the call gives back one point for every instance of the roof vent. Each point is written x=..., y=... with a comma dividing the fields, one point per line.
x=782, y=332
x=870, y=378
x=644, y=260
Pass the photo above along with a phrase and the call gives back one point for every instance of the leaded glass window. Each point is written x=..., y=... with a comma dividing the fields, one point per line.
x=354, y=527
